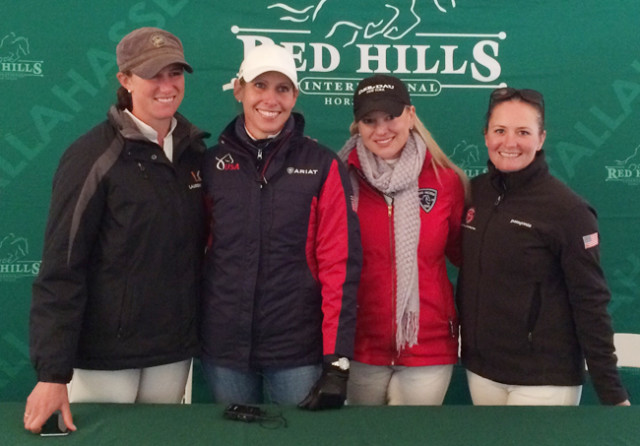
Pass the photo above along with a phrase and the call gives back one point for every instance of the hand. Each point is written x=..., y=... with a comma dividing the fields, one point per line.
x=329, y=391
x=44, y=400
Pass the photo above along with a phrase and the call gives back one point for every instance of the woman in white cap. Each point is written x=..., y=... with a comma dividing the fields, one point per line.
x=115, y=302
x=409, y=197
x=283, y=263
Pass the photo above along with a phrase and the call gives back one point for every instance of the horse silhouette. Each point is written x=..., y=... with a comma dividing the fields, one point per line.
x=466, y=155
x=392, y=20
x=13, y=248
x=12, y=48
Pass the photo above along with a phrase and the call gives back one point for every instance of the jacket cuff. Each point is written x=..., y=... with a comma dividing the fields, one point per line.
x=53, y=377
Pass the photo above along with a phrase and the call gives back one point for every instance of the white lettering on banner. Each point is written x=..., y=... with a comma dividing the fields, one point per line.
x=13, y=265
x=13, y=49
x=75, y=91
x=625, y=92
x=325, y=38
x=626, y=171
x=441, y=60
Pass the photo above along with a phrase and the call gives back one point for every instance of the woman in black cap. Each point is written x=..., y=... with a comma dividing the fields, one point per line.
x=114, y=304
x=531, y=292
x=409, y=198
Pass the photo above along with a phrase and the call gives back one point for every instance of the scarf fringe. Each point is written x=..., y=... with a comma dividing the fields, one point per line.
x=407, y=333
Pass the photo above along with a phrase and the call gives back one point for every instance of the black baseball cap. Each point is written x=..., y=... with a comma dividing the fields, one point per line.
x=380, y=92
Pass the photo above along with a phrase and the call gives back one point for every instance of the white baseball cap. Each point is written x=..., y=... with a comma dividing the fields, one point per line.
x=268, y=57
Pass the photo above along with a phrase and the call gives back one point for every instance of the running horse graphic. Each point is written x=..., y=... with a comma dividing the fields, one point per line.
x=392, y=21
x=12, y=48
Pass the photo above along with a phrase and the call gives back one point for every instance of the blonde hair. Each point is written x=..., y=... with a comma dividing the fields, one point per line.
x=439, y=159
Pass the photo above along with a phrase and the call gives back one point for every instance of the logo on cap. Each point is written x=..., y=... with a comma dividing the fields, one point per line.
x=158, y=41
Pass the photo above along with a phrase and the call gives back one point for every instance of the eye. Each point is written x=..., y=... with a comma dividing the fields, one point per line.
x=284, y=89
x=498, y=131
x=367, y=121
x=259, y=84
x=524, y=132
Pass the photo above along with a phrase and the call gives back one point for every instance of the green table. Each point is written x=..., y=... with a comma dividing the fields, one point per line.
x=203, y=424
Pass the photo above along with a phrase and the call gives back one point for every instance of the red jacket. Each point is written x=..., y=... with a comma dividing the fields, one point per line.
x=439, y=236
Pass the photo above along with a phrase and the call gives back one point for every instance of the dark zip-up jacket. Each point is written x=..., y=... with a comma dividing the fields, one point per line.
x=284, y=259
x=119, y=282
x=531, y=293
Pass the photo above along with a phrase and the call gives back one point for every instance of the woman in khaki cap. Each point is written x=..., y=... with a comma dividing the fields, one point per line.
x=114, y=304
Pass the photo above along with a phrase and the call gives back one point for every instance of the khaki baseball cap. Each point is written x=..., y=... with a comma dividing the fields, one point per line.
x=146, y=51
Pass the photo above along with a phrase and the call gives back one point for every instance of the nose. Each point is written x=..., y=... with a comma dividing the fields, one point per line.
x=380, y=126
x=166, y=82
x=510, y=139
x=269, y=95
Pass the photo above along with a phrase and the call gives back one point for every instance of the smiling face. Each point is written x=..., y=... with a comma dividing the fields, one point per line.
x=384, y=135
x=267, y=102
x=156, y=100
x=513, y=135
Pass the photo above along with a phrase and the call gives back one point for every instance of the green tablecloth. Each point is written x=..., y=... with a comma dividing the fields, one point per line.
x=203, y=424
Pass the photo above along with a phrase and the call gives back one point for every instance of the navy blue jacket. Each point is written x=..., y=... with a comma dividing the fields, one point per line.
x=283, y=263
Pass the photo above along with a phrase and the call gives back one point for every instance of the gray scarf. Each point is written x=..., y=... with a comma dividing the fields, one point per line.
x=400, y=182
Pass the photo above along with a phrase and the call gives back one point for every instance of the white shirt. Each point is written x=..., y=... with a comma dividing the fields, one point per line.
x=150, y=133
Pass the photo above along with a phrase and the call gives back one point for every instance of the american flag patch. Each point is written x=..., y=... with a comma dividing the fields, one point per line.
x=590, y=240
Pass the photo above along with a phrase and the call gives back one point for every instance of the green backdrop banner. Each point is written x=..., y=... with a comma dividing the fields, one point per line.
x=57, y=79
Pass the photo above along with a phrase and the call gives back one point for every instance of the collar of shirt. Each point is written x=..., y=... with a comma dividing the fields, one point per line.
x=149, y=133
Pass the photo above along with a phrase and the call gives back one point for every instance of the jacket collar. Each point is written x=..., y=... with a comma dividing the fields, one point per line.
x=235, y=133
x=183, y=135
x=504, y=181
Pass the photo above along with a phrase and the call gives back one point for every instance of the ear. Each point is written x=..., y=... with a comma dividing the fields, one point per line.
x=543, y=136
x=412, y=114
x=238, y=90
x=124, y=80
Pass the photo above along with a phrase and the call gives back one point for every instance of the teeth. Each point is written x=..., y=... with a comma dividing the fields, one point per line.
x=385, y=141
x=165, y=99
x=509, y=154
x=268, y=114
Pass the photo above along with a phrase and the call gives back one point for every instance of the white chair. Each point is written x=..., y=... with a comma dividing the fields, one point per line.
x=627, y=349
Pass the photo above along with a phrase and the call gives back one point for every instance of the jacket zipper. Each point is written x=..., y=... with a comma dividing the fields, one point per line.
x=394, y=297
x=496, y=203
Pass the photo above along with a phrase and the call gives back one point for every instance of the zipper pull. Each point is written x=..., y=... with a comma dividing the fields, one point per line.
x=142, y=169
x=259, y=154
x=389, y=200
x=498, y=200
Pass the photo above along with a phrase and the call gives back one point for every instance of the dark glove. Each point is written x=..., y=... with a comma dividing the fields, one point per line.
x=330, y=391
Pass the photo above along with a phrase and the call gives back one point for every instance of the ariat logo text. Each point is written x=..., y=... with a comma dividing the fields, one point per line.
x=296, y=171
